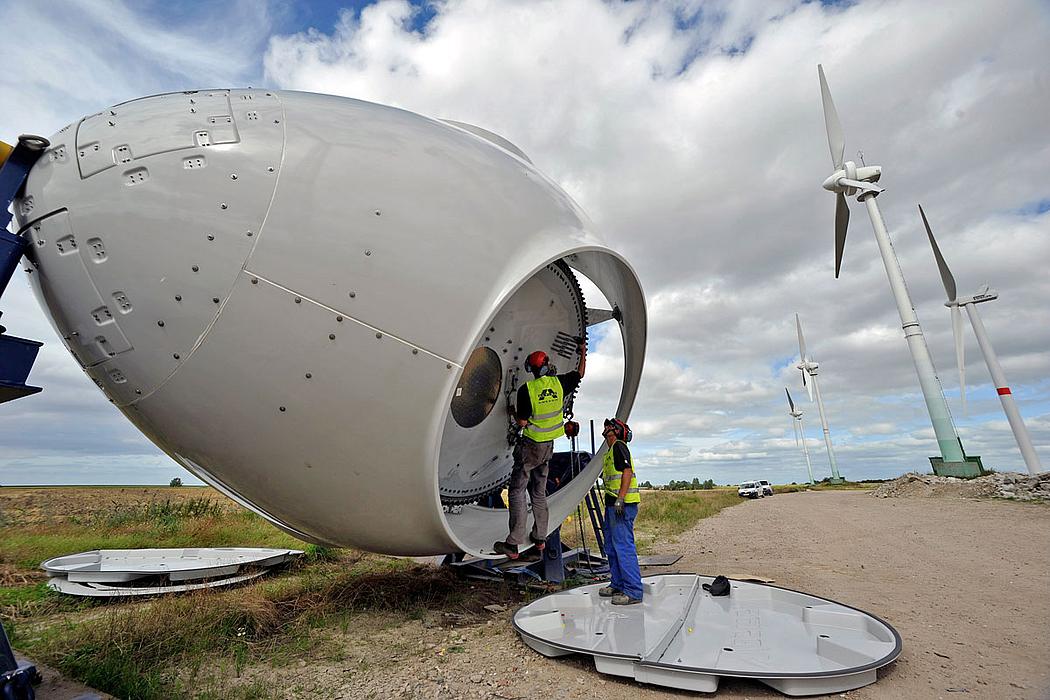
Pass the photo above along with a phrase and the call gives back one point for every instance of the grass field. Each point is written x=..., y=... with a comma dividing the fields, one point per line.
x=157, y=648
x=662, y=515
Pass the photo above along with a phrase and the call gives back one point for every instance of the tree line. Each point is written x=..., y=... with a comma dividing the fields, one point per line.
x=694, y=485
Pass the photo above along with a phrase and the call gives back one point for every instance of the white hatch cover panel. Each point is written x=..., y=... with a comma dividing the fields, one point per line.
x=122, y=565
x=101, y=590
x=683, y=637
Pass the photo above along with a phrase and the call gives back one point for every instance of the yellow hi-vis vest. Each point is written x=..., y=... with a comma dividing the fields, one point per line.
x=547, y=399
x=611, y=479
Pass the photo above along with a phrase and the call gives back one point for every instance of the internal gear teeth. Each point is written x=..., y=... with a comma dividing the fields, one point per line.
x=581, y=310
x=468, y=500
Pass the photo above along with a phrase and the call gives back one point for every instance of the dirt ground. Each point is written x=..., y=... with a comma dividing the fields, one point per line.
x=966, y=583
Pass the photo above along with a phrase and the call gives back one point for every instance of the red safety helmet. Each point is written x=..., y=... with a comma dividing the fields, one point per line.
x=537, y=361
x=619, y=428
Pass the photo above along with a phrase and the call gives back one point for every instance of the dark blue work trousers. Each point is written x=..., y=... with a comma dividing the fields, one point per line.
x=619, y=547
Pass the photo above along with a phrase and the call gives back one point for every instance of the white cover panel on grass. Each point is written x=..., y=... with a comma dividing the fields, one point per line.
x=683, y=637
x=111, y=566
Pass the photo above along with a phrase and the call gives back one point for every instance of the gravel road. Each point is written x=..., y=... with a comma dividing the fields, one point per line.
x=966, y=582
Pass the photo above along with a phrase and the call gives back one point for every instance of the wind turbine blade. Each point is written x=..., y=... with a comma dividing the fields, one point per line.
x=946, y=274
x=841, y=224
x=960, y=353
x=804, y=356
x=794, y=424
x=790, y=402
x=836, y=141
x=801, y=343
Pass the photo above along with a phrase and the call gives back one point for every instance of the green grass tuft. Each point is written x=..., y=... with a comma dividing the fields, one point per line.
x=320, y=553
x=662, y=515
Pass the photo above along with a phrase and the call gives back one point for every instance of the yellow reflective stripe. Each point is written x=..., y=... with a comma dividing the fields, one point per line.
x=552, y=414
x=537, y=429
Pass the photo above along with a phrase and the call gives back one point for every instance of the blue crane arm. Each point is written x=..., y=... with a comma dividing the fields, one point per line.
x=17, y=355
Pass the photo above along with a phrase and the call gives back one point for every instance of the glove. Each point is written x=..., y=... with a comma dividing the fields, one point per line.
x=619, y=507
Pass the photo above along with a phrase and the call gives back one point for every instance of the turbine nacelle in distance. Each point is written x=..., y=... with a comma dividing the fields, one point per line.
x=983, y=294
x=852, y=179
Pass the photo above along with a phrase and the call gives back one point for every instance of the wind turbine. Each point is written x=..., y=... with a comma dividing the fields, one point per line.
x=1024, y=442
x=813, y=388
x=799, y=431
x=849, y=180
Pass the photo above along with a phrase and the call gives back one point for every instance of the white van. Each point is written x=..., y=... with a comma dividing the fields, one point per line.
x=750, y=489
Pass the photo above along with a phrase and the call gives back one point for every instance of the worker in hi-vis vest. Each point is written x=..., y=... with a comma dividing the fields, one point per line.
x=539, y=415
x=621, y=508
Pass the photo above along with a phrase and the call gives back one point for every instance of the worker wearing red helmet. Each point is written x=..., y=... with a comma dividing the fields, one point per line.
x=539, y=414
x=621, y=507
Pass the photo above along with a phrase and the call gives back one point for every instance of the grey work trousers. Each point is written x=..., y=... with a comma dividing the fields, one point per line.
x=531, y=464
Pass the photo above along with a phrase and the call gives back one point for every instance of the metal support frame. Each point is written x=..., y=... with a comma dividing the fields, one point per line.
x=17, y=355
x=970, y=467
x=597, y=517
x=551, y=565
x=16, y=678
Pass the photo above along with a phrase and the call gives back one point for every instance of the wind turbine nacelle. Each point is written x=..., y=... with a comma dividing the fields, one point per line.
x=320, y=306
x=850, y=171
x=985, y=294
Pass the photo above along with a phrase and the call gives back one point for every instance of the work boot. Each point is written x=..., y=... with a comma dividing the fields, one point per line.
x=540, y=542
x=530, y=555
x=508, y=550
x=608, y=592
x=622, y=599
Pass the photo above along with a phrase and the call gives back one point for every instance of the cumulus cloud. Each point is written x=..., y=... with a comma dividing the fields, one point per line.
x=691, y=132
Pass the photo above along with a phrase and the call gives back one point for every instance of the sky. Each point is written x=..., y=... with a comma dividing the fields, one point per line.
x=692, y=135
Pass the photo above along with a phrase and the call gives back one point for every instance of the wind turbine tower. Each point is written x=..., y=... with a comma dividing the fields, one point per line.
x=808, y=366
x=1024, y=442
x=848, y=180
x=800, y=431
